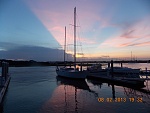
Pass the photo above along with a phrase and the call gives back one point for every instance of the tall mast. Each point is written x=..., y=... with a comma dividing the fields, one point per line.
x=131, y=55
x=75, y=37
x=65, y=46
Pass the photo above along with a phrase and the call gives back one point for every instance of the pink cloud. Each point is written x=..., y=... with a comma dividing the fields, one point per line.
x=55, y=19
x=135, y=44
x=87, y=41
x=136, y=35
x=58, y=14
x=137, y=30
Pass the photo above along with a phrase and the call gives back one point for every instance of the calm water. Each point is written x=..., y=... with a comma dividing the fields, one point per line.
x=38, y=90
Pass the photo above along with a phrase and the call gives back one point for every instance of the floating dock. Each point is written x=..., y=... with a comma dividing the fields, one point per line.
x=4, y=80
x=123, y=81
x=136, y=83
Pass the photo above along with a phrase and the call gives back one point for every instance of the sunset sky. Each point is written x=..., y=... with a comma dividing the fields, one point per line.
x=106, y=28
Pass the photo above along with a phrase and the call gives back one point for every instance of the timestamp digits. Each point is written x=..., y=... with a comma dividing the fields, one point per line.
x=120, y=99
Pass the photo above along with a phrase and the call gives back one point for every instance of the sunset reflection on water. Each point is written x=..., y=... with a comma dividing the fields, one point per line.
x=38, y=89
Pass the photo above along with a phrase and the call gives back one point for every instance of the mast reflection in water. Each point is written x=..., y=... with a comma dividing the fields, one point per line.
x=39, y=90
x=69, y=96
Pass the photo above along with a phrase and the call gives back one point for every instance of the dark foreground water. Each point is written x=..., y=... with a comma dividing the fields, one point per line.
x=38, y=90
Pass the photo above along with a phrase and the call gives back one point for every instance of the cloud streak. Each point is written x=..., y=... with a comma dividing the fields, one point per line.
x=135, y=44
x=135, y=35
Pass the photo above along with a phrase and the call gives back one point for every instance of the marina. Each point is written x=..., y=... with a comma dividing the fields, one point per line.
x=74, y=56
x=46, y=92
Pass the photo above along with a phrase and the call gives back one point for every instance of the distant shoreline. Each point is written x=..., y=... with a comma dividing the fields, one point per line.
x=61, y=63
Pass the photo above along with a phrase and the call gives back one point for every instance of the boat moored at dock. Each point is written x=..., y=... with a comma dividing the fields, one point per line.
x=96, y=70
x=72, y=72
x=119, y=75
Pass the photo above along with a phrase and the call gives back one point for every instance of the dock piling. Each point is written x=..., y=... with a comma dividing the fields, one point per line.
x=146, y=73
x=81, y=67
x=113, y=91
x=4, y=72
x=121, y=64
x=112, y=69
x=108, y=65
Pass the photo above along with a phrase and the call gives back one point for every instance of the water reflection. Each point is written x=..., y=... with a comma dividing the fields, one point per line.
x=78, y=96
x=78, y=84
x=1, y=108
x=113, y=91
x=130, y=93
x=69, y=96
x=40, y=91
x=99, y=84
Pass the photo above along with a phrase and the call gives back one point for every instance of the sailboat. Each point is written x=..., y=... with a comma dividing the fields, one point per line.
x=72, y=72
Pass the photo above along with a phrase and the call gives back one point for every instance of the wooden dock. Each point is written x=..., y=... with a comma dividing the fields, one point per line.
x=4, y=89
x=4, y=80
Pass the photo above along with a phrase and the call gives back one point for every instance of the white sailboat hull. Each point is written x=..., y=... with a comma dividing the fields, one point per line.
x=72, y=74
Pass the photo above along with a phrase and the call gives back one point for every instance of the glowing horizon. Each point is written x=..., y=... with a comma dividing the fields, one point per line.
x=107, y=28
